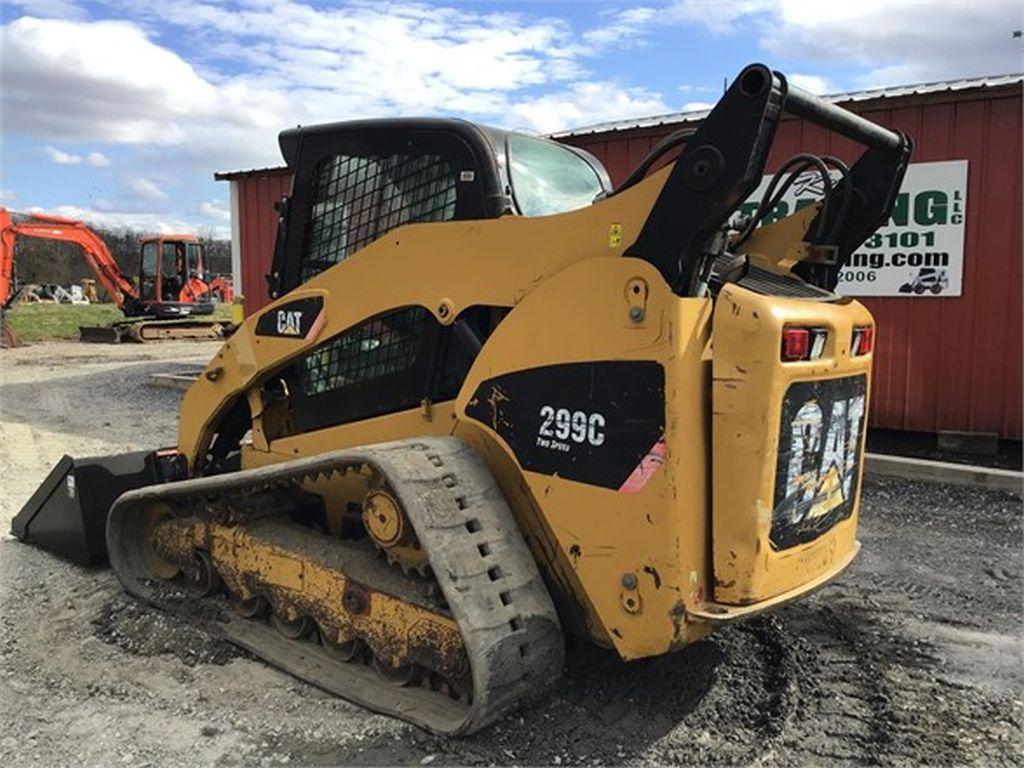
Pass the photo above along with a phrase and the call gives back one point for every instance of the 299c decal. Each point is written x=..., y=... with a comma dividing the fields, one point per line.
x=605, y=428
x=562, y=424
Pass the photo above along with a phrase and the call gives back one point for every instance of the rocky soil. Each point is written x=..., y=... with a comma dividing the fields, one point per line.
x=914, y=656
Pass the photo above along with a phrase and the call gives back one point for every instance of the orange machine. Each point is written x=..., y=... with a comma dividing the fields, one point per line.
x=172, y=284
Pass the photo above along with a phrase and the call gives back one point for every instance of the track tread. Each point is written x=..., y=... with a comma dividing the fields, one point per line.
x=509, y=625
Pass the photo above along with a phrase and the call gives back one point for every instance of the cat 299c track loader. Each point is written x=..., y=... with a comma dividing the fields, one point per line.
x=495, y=401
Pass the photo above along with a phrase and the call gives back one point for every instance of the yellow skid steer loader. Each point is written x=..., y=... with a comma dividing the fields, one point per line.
x=495, y=401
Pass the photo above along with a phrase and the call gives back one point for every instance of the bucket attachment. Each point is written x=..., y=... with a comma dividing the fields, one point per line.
x=67, y=515
x=100, y=334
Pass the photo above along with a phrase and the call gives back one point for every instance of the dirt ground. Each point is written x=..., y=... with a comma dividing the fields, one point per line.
x=914, y=656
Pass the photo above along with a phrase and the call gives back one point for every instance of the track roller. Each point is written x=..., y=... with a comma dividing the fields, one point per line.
x=293, y=629
x=251, y=608
x=201, y=577
x=342, y=650
x=403, y=675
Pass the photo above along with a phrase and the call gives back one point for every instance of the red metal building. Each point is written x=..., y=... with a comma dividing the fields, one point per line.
x=943, y=363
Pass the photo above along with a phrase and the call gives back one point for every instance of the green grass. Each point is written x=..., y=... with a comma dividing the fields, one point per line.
x=42, y=321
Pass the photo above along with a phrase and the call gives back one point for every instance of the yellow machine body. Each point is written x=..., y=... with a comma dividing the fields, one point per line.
x=646, y=567
x=495, y=399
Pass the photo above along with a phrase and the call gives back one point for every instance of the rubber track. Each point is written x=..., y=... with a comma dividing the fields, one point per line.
x=492, y=585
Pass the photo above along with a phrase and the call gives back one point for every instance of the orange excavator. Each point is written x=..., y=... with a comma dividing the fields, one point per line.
x=173, y=286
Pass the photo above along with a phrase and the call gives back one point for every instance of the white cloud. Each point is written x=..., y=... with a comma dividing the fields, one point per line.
x=62, y=158
x=110, y=81
x=8, y=196
x=621, y=29
x=899, y=42
x=815, y=84
x=59, y=9
x=585, y=104
x=97, y=80
x=95, y=159
x=697, y=106
x=690, y=88
x=892, y=42
x=719, y=16
x=216, y=209
x=141, y=221
x=148, y=190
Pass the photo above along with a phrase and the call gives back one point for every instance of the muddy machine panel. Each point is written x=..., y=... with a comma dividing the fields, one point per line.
x=798, y=427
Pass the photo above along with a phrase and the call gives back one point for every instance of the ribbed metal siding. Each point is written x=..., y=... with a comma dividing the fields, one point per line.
x=258, y=230
x=941, y=363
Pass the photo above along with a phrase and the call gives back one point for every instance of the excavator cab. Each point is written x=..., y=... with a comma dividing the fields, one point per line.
x=172, y=279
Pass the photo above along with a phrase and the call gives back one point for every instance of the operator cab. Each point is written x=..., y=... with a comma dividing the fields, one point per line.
x=355, y=181
x=169, y=267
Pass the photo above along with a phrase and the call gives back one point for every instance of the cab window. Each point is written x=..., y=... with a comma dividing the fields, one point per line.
x=172, y=255
x=194, y=260
x=149, y=258
x=548, y=178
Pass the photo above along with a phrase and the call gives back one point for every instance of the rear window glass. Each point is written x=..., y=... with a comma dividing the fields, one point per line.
x=358, y=199
x=548, y=178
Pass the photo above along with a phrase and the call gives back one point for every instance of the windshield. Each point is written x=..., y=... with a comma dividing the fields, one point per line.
x=549, y=178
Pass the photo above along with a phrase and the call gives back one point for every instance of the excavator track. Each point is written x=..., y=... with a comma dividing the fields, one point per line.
x=492, y=635
x=145, y=331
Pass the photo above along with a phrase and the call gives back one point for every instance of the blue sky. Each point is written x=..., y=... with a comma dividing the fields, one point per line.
x=119, y=112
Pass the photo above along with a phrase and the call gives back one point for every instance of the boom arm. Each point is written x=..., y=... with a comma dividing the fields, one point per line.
x=93, y=248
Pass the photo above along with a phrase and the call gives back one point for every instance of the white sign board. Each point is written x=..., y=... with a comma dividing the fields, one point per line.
x=919, y=251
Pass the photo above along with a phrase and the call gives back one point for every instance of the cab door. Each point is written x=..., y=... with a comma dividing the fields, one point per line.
x=148, y=271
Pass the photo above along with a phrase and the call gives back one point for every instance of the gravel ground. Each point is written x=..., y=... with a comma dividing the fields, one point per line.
x=914, y=656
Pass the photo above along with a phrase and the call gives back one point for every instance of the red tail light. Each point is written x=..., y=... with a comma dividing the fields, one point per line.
x=796, y=343
x=863, y=340
x=803, y=344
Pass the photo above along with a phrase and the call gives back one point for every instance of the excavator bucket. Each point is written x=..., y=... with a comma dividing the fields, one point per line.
x=67, y=515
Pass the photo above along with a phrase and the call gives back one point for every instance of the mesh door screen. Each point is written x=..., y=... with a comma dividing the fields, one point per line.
x=358, y=199
x=379, y=347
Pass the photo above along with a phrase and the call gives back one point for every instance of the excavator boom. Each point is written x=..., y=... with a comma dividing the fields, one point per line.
x=95, y=251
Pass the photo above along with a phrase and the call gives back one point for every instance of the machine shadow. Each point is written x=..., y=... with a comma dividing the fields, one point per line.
x=603, y=710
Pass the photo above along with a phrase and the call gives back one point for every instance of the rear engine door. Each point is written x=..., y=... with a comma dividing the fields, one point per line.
x=790, y=398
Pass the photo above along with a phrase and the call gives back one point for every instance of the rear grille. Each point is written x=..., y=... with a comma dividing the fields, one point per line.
x=768, y=283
